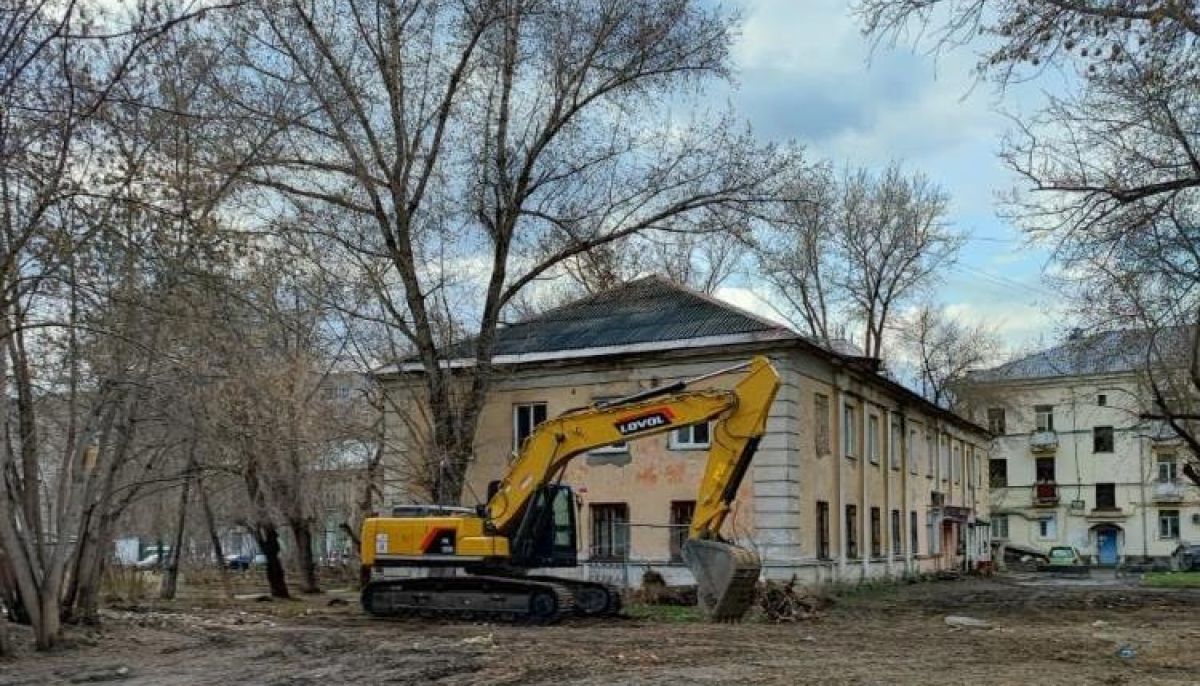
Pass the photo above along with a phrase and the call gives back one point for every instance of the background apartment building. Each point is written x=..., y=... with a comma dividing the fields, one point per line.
x=857, y=476
x=1074, y=462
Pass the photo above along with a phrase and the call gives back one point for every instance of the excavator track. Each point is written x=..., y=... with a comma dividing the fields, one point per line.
x=492, y=598
x=592, y=598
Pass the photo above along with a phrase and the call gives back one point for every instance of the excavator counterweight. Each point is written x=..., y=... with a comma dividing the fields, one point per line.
x=529, y=520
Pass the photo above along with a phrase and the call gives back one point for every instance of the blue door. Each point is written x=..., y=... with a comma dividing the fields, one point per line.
x=1106, y=544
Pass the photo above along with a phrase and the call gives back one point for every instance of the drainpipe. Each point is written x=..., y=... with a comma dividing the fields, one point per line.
x=1142, y=492
x=837, y=516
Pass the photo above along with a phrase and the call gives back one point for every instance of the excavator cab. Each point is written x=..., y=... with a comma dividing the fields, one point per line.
x=547, y=534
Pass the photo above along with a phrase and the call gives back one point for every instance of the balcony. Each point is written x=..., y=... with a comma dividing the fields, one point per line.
x=1168, y=491
x=1107, y=513
x=1043, y=442
x=1045, y=494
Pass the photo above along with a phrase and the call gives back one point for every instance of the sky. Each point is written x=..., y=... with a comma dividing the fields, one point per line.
x=806, y=73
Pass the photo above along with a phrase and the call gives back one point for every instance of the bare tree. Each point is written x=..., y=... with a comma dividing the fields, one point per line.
x=855, y=247
x=1111, y=167
x=458, y=151
x=944, y=350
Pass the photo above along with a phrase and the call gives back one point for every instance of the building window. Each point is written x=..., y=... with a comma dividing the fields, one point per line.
x=995, y=416
x=912, y=451
x=876, y=533
x=1043, y=417
x=682, y=512
x=1106, y=496
x=1000, y=526
x=1102, y=400
x=1102, y=439
x=930, y=454
x=931, y=537
x=944, y=462
x=1045, y=469
x=895, y=539
x=851, y=531
x=956, y=462
x=822, y=530
x=1168, y=469
x=1048, y=528
x=694, y=437
x=821, y=423
x=1168, y=523
x=896, y=442
x=849, y=434
x=610, y=531
x=913, y=541
x=873, y=438
x=526, y=417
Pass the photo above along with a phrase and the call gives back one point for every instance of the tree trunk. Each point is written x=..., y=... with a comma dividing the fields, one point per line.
x=171, y=576
x=302, y=532
x=267, y=537
x=215, y=539
x=46, y=631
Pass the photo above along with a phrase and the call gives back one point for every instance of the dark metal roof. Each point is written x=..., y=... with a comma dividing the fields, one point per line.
x=647, y=310
x=1109, y=352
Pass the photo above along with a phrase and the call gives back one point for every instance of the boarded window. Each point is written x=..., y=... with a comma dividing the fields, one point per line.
x=1102, y=439
x=821, y=424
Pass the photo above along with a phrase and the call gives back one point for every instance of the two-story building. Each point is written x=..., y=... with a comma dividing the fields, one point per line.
x=1074, y=462
x=857, y=476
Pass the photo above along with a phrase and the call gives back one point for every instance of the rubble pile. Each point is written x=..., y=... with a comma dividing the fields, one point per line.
x=787, y=602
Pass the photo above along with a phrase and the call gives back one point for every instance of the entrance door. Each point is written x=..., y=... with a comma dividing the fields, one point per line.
x=1106, y=546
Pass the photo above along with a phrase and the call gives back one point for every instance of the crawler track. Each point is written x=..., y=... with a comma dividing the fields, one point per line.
x=495, y=598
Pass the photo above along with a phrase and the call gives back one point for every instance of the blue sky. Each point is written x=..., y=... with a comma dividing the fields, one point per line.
x=806, y=73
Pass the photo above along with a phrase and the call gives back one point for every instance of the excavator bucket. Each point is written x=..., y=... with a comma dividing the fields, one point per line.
x=725, y=577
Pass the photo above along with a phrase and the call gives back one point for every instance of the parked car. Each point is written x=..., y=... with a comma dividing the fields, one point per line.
x=1186, y=558
x=150, y=561
x=1065, y=556
x=245, y=561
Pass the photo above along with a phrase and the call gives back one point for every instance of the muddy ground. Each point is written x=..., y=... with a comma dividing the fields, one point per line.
x=1034, y=635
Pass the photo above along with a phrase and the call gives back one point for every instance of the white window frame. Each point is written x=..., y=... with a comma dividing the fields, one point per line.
x=1039, y=414
x=849, y=430
x=1170, y=461
x=1165, y=517
x=1000, y=526
x=1047, y=528
x=517, y=407
x=676, y=440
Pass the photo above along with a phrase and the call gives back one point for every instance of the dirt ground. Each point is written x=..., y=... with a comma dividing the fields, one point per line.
x=1035, y=634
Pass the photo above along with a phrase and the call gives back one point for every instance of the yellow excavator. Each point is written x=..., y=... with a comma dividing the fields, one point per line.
x=484, y=556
